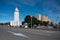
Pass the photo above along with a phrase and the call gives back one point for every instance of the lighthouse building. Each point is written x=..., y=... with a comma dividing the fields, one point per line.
x=16, y=22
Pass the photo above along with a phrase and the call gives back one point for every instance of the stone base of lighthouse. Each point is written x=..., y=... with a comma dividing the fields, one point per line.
x=15, y=24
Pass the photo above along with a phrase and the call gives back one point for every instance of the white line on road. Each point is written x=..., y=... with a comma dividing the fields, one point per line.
x=18, y=34
x=45, y=34
x=49, y=31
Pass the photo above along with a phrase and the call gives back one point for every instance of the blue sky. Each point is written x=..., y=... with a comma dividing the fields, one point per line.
x=50, y=8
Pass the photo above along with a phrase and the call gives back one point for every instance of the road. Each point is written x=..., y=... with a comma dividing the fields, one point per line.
x=8, y=33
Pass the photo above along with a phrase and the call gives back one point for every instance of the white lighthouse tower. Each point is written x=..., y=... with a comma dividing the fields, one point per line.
x=16, y=22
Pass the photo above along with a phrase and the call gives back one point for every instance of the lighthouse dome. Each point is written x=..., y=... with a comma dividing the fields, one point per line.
x=16, y=9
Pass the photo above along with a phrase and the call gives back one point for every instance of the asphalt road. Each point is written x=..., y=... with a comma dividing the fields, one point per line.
x=8, y=33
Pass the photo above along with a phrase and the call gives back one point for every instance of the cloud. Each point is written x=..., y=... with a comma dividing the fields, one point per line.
x=51, y=7
x=24, y=2
x=4, y=14
x=29, y=2
x=58, y=15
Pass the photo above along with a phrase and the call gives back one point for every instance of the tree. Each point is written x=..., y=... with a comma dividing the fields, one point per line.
x=59, y=25
x=51, y=24
x=45, y=23
x=59, y=22
x=34, y=21
x=40, y=22
x=23, y=22
x=28, y=19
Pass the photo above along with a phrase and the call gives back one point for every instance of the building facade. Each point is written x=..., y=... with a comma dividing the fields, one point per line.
x=38, y=16
x=44, y=18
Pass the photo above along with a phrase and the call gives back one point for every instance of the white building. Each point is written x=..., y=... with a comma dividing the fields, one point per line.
x=16, y=22
x=49, y=21
x=38, y=16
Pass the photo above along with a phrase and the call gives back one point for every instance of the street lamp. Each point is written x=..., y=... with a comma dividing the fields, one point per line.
x=31, y=21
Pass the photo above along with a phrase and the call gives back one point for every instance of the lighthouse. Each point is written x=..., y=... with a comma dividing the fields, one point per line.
x=16, y=22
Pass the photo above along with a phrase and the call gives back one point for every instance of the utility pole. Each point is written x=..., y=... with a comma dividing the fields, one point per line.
x=31, y=21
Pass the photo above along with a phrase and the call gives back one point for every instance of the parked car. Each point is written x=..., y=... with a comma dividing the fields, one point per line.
x=25, y=25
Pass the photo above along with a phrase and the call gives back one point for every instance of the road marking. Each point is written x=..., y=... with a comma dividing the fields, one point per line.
x=18, y=34
x=46, y=34
x=50, y=31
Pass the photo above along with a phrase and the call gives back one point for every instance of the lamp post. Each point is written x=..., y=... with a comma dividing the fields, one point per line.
x=31, y=21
